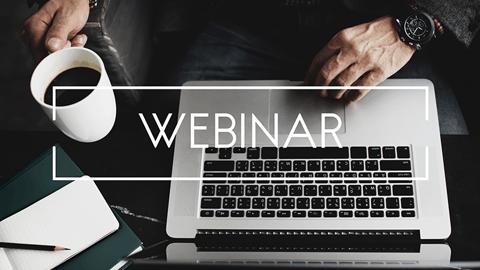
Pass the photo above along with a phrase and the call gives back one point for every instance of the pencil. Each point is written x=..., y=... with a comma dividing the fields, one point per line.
x=32, y=247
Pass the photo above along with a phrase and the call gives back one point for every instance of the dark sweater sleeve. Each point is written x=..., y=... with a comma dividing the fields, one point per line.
x=455, y=16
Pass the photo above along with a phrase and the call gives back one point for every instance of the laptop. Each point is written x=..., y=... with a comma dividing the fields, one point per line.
x=310, y=167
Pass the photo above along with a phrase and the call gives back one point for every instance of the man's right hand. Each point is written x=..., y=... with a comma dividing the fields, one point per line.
x=55, y=26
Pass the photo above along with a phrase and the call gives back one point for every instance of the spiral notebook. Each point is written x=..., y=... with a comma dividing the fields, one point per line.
x=75, y=217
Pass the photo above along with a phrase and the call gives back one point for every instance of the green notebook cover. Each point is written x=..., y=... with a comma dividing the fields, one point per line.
x=34, y=182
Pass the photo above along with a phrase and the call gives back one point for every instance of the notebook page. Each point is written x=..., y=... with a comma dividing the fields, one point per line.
x=75, y=217
x=4, y=262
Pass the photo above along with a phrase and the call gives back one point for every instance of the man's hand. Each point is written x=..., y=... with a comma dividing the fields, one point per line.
x=55, y=26
x=364, y=55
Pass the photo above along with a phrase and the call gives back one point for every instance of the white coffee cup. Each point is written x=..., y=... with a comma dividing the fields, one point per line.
x=89, y=119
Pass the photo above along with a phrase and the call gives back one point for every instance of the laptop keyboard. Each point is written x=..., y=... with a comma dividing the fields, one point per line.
x=303, y=182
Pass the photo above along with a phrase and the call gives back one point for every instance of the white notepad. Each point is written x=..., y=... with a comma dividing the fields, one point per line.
x=76, y=217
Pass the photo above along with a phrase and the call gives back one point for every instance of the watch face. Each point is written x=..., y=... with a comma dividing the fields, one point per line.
x=418, y=27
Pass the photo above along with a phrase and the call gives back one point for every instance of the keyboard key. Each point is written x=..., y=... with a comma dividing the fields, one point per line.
x=379, y=175
x=329, y=213
x=299, y=214
x=221, y=213
x=314, y=165
x=306, y=175
x=206, y=213
x=256, y=165
x=266, y=213
x=309, y=152
x=371, y=165
x=269, y=152
x=318, y=203
x=333, y=203
x=292, y=175
x=324, y=190
x=222, y=190
x=251, y=190
x=357, y=165
x=285, y=165
x=251, y=213
x=343, y=165
x=278, y=175
x=253, y=153
x=303, y=203
x=258, y=203
x=239, y=150
x=403, y=152
x=378, y=203
x=273, y=203
x=299, y=165
x=296, y=190
x=369, y=190
x=392, y=203
x=354, y=190
x=242, y=165
x=209, y=203
x=390, y=213
x=388, y=152
x=225, y=153
x=281, y=190
x=374, y=152
x=361, y=214
x=408, y=213
x=248, y=175
x=310, y=190
x=363, y=203
x=365, y=175
x=402, y=190
x=209, y=175
x=281, y=214
x=395, y=165
x=229, y=203
x=321, y=175
x=314, y=214
x=376, y=214
x=400, y=174
x=358, y=152
x=208, y=190
x=237, y=213
x=408, y=203
x=211, y=150
x=270, y=165
x=219, y=165
x=346, y=213
x=350, y=175
x=348, y=203
x=243, y=203
x=263, y=175
x=384, y=190
x=232, y=175
x=328, y=165
x=266, y=190
x=236, y=190
x=336, y=175
x=380, y=181
x=339, y=190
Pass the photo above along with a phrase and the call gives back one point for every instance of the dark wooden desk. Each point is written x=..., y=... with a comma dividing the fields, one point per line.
x=143, y=204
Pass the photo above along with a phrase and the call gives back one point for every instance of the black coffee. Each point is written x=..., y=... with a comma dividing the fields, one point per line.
x=79, y=76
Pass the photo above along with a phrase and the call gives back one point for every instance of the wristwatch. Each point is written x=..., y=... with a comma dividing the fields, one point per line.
x=416, y=28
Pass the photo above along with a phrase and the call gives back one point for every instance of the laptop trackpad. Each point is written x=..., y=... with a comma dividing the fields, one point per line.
x=289, y=103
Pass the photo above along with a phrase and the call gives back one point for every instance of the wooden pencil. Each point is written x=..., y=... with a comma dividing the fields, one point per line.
x=32, y=247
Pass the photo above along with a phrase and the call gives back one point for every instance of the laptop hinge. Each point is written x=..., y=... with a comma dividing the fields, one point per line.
x=308, y=235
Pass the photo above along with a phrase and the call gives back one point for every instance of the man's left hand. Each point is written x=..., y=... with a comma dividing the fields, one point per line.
x=363, y=55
